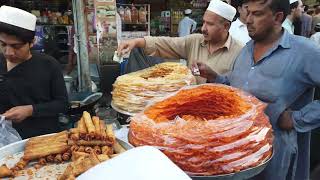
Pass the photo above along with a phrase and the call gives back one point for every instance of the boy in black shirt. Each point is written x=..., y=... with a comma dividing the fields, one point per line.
x=32, y=88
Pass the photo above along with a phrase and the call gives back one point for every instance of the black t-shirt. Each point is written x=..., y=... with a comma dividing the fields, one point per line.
x=38, y=82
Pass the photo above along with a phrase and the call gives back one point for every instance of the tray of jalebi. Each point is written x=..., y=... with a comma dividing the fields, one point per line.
x=210, y=131
x=61, y=155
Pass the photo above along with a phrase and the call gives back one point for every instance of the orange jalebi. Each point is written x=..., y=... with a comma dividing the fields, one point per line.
x=206, y=130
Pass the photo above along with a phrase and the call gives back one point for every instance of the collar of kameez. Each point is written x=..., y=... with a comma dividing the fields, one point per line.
x=288, y=21
x=239, y=23
x=284, y=40
x=227, y=44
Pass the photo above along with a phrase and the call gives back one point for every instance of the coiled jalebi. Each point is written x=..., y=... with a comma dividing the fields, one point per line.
x=206, y=130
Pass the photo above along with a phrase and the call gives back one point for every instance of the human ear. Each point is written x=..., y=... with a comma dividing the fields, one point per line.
x=279, y=17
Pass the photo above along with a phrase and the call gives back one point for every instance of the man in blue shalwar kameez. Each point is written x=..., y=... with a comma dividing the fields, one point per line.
x=282, y=70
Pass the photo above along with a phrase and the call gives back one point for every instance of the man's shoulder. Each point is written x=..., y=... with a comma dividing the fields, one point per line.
x=303, y=45
x=235, y=44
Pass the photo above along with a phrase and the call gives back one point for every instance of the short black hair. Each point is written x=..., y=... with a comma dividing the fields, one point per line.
x=294, y=5
x=26, y=36
x=236, y=4
x=306, y=8
x=277, y=6
x=317, y=28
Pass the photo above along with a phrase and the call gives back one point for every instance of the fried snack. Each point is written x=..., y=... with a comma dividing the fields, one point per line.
x=42, y=161
x=113, y=155
x=58, y=158
x=97, y=149
x=81, y=149
x=102, y=130
x=44, y=140
x=118, y=148
x=43, y=146
x=77, y=155
x=88, y=149
x=74, y=147
x=88, y=121
x=75, y=136
x=37, y=166
x=36, y=152
x=79, y=166
x=68, y=172
x=110, y=134
x=5, y=171
x=21, y=164
x=103, y=157
x=82, y=127
x=96, y=123
x=50, y=158
x=71, y=178
x=74, y=130
x=107, y=150
x=66, y=156
x=209, y=129
x=90, y=143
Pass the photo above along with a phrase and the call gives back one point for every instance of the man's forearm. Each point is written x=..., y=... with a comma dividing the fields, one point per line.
x=140, y=42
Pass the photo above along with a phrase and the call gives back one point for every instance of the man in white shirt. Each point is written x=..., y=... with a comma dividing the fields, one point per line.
x=238, y=29
x=187, y=25
x=296, y=9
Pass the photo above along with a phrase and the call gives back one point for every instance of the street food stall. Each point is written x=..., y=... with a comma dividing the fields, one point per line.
x=209, y=131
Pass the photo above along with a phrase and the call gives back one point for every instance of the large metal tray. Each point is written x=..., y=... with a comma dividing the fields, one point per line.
x=244, y=174
x=11, y=154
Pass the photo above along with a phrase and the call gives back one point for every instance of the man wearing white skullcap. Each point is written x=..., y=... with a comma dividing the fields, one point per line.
x=186, y=25
x=32, y=88
x=214, y=46
x=296, y=9
x=281, y=70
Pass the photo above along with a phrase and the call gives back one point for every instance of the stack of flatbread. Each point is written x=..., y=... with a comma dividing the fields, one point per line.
x=134, y=91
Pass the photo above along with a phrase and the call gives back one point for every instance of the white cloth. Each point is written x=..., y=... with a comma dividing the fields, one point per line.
x=187, y=11
x=288, y=25
x=186, y=26
x=140, y=163
x=18, y=17
x=239, y=31
x=222, y=9
x=316, y=38
x=293, y=1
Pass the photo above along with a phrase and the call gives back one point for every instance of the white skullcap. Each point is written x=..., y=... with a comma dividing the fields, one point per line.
x=17, y=17
x=187, y=11
x=222, y=9
x=293, y=1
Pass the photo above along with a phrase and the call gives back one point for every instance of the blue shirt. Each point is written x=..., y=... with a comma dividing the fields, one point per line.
x=285, y=78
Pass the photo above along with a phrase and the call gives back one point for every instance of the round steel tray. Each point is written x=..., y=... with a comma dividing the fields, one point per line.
x=244, y=174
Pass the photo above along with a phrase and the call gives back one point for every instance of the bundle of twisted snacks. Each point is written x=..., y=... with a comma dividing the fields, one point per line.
x=206, y=130
x=133, y=92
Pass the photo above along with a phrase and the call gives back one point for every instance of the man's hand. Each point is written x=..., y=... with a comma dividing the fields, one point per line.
x=285, y=121
x=205, y=71
x=126, y=46
x=19, y=113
